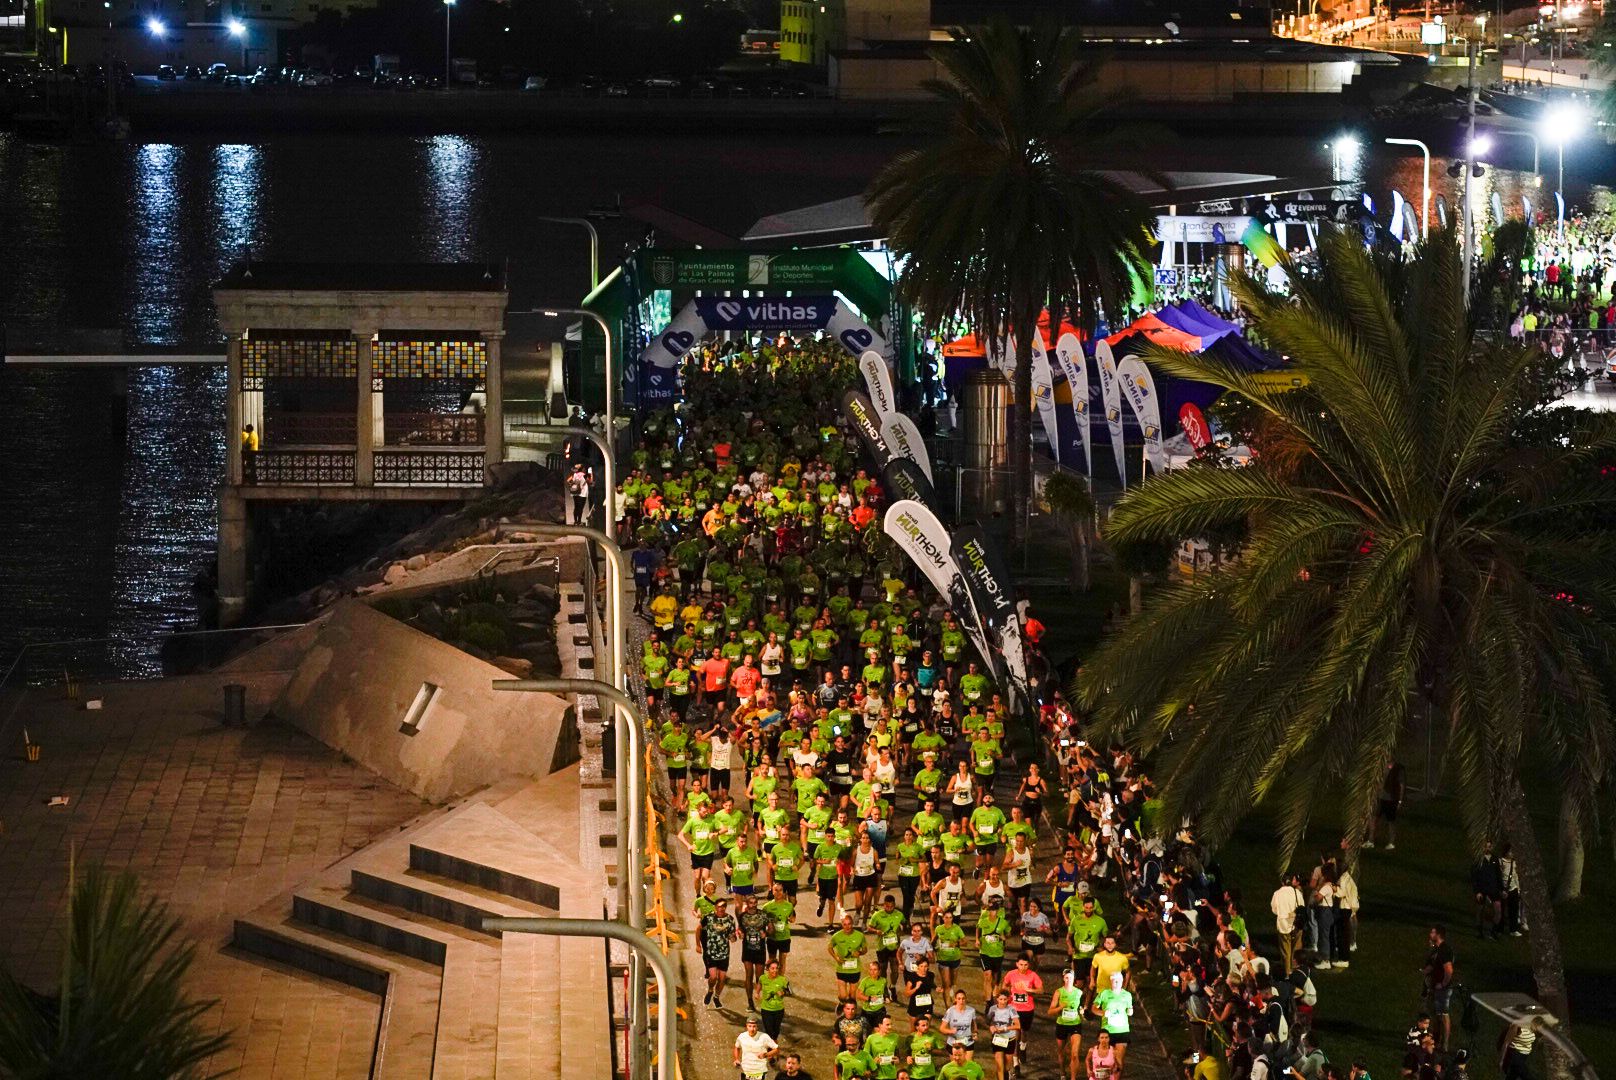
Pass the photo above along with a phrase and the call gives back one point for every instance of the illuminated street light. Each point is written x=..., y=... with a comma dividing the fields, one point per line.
x=155, y=28
x=1481, y=145
x=1561, y=124
x=236, y=27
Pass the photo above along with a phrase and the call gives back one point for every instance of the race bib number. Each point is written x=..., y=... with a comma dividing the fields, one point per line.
x=1085, y=946
x=843, y=768
x=889, y=941
x=990, y=939
x=986, y=830
x=1070, y=1016
x=1032, y=939
x=1004, y=1038
x=850, y=964
x=877, y=1000
x=923, y=1000
x=781, y=926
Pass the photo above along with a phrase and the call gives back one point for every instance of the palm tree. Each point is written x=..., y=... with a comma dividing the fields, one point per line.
x=121, y=1009
x=1426, y=549
x=1004, y=213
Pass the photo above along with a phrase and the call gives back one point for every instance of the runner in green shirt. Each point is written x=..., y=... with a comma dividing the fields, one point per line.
x=846, y=946
x=887, y=923
x=1066, y=1006
x=675, y=744
x=910, y=854
x=1084, y=933
x=992, y=930
x=973, y=685
x=772, y=822
x=656, y=666
x=785, y=865
x=731, y=823
x=816, y=821
x=872, y=994
x=808, y=787
x=958, y=1068
x=881, y=1048
x=985, y=756
x=781, y=910
x=800, y=650
x=946, y=938
x=929, y=824
x=700, y=836
x=771, y=998
x=740, y=866
x=925, y=1050
x=853, y=1066
x=987, y=825
x=825, y=876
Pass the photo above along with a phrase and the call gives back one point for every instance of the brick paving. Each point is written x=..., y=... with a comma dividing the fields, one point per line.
x=215, y=821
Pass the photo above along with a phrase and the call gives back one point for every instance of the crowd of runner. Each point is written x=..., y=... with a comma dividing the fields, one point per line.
x=856, y=796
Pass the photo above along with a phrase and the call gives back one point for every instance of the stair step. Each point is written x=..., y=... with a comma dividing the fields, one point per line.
x=407, y=1031
x=330, y=910
x=442, y=899
x=468, y=1016
x=457, y=867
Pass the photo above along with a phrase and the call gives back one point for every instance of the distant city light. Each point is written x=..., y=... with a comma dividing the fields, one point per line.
x=236, y=27
x=155, y=28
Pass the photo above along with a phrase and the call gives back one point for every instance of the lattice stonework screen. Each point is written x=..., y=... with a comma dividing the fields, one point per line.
x=326, y=358
x=398, y=358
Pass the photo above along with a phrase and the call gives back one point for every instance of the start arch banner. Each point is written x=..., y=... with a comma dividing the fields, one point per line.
x=720, y=314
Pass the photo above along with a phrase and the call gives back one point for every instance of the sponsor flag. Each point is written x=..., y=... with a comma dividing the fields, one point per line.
x=669, y=347
x=903, y=479
x=878, y=382
x=1441, y=212
x=855, y=334
x=1397, y=215
x=1526, y=209
x=1559, y=208
x=862, y=413
x=903, y=439
x=1111, y=401
x=1498, y=209
x=991, y=594
x=1260, y=244
x=1043, y=392
x=1139, y=387
x=1069, y=352
x=917, y=532
x=1197, y=432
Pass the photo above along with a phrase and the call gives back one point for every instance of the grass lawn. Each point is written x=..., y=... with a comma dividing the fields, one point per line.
x=1364, y=1011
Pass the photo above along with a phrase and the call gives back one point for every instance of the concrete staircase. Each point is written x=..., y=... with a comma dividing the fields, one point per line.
x=402, y=919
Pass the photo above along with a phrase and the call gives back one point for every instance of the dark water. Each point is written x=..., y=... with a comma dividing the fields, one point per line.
x=109, y=502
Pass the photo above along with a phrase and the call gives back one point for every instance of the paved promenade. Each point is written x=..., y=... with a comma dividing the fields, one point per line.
x=215, y=821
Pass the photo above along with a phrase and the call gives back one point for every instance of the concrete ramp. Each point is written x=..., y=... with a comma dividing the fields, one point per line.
x=415, y=711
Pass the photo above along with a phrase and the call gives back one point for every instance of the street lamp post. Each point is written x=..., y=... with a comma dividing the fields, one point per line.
x=1562, y=124
x=1529, y=1013
x=667, y=979
x=448, y=6
x=1425, y=184
x=594, y=243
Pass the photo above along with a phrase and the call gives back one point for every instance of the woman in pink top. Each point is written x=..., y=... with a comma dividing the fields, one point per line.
x=1103, y=1064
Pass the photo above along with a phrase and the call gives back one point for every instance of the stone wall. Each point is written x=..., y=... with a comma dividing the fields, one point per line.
x=362, y=688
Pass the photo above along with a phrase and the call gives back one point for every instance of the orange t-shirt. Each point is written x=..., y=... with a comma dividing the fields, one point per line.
x=715, y=673
x=746, y=680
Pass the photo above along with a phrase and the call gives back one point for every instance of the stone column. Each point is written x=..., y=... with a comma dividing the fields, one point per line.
x=493, y=404
x=232, y=398
x=234, y=535
x=367, y=421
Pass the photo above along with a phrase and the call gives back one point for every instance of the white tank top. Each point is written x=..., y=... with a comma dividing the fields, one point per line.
x=863, y=862
x=948, y=896
x=963, y=795
x=990, y=890
x=1020, y=868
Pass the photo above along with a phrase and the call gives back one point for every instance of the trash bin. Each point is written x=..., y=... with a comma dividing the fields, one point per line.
x=235, y=705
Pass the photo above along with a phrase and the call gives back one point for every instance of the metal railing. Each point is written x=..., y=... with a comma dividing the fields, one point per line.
x=312, y=467
x=428, y=468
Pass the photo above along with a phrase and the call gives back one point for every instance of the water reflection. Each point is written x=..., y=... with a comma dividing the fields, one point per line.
x=167, y=521
x=452, y=169
x=236, y=197
x=157, y=292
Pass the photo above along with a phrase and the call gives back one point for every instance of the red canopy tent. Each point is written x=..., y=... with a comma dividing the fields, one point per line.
x=970, y=346
x=1159, y=332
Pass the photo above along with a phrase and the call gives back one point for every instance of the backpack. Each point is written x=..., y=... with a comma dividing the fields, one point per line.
x=1310, y=993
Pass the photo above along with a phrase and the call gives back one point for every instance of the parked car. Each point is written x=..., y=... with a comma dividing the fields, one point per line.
x=217, y=72
x=314, y=79
x=533, y=82
x=616, y=90
x=166, y=72
x=193, y=72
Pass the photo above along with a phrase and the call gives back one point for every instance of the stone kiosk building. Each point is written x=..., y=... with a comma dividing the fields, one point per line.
x=361, y=382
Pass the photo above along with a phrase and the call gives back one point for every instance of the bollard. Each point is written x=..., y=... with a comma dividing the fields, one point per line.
x=235, y=705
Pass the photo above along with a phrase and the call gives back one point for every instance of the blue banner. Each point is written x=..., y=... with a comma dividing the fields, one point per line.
x=765, y=312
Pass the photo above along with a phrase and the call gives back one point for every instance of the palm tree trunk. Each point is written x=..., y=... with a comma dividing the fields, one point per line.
x=1021, y=431
x=1082, y=536
x=1548, y=960
x=1571, y=851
